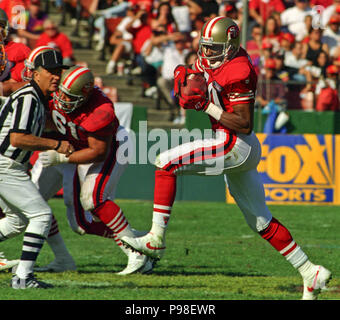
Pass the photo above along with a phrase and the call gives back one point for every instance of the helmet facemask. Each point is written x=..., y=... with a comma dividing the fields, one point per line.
x=72, y=103
x=75, y=88
x=215, y=54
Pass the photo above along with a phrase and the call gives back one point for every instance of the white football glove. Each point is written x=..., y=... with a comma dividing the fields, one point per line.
x=52, y=158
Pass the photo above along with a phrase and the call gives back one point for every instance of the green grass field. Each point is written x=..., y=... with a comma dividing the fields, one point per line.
x=212, y=255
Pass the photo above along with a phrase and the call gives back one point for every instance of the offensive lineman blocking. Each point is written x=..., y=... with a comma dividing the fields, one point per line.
x=235, y=149
x=83, y=115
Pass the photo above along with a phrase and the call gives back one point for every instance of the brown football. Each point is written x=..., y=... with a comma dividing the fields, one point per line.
x=194, y=80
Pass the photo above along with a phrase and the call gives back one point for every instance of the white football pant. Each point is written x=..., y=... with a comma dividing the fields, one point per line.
x=21, y=202
x=206, y=157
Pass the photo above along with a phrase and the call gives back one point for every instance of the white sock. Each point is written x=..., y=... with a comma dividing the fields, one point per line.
x=297, y=257
x=32, y=244
x=24, y=268
x=306, y=270
x=159, y=223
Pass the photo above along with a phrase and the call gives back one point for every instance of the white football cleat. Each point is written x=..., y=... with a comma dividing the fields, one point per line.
x=137, y=263
x=58, y=266
x=150, y=245
x=30, y=282
x=313, y=286
x=7, y=264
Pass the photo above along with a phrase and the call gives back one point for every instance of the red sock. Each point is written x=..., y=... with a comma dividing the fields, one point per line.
x=111, y=214
x=164, y=196
x=279, y=237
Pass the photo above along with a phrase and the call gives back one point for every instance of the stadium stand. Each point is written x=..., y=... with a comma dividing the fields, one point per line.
x=302, y=52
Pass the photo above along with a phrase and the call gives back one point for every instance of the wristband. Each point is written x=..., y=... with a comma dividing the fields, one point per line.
x=58, y=145
x=214, y=111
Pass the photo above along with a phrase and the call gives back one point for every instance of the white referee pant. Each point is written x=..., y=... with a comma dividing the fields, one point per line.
x=213, y=156
x=21, y=202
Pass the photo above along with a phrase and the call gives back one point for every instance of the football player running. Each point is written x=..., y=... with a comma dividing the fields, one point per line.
x=83, y=115
x=235, y=149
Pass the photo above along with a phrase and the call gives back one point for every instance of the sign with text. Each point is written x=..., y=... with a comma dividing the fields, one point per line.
x=300, y=169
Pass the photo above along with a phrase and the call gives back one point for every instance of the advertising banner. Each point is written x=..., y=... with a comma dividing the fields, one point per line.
x=300, y=169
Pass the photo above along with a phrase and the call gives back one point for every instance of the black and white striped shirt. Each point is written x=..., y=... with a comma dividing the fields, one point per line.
x=23, y=112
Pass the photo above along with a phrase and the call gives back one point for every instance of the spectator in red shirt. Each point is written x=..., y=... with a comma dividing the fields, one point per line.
x=141, y=31
x=287, y=41
x=328, y=99
x=260, y=10
x=272, y=33
x=54, y=38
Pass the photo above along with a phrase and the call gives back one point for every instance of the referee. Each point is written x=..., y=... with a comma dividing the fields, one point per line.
x=22, y=120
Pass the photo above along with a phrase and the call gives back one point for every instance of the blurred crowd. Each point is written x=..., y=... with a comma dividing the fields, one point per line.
x=293, y=44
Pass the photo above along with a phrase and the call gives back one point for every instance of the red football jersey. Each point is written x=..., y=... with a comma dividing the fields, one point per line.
x=234, y=82
x=96, y=116
x=16, y=54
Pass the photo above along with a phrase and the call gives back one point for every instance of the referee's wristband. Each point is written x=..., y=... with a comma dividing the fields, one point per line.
x=58, y=145
x=214, y=111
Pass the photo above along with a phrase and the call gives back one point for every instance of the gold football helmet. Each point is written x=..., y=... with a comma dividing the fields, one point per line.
x=219, y=42
x=76, y=85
